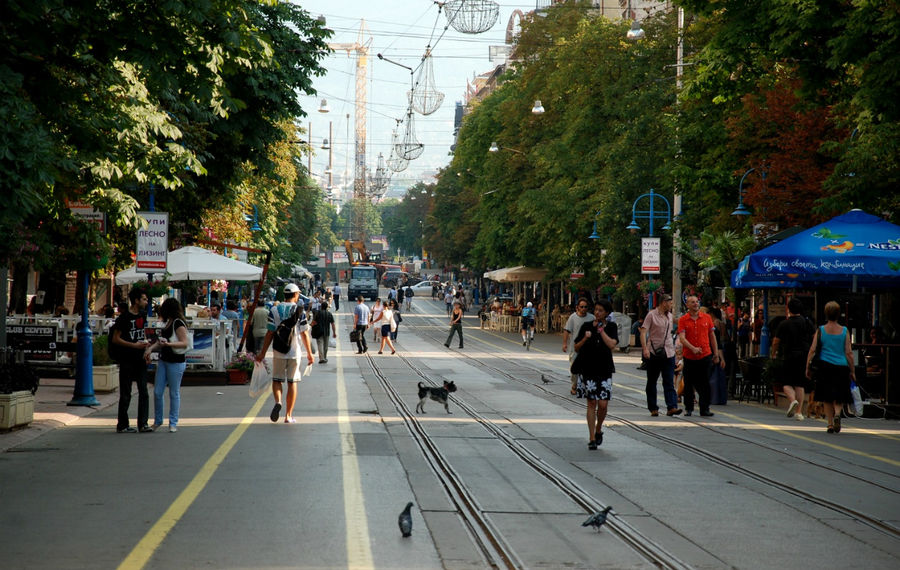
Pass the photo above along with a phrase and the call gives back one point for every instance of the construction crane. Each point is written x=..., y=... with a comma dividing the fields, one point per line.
x=361, y=49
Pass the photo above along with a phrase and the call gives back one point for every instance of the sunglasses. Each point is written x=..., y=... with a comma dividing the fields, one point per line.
x=582, y=306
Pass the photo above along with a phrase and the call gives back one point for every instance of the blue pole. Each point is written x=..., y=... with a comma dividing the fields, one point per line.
x=84, y=367
x=764, y=333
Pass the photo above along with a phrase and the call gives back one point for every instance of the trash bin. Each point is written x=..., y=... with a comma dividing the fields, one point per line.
x=718, y=386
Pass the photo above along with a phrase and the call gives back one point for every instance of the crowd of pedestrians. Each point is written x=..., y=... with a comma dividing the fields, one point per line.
x=687, y=354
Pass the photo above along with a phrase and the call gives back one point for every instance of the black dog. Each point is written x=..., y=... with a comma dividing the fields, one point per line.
x=439, y=395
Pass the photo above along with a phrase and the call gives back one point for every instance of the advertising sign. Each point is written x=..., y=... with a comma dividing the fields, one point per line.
x=152, y=243
x=42, y=334
x=204, y=349
x=87, y=212
x=650, y=254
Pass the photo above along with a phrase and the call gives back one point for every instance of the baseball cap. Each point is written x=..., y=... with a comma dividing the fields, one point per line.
x=528, y=304
x=291, y=288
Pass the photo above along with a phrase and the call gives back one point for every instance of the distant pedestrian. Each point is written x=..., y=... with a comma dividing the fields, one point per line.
x=455, y=325
x=130, y=340
x=409, y=295
x=361, y=317
x=336, y=293
x=655, y=336
x=286, y=365
x=698, y=339
x=594, y=366
x=377, y=308
x=448, y=298
x=385, y=321
x=836, y=369
x=171, y=343
x=323, y=326
x=258, y=325
x=791, y=345
x=397, y=320
x=573, y=325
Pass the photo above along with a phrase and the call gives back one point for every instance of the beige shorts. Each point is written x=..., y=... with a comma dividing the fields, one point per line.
x=286, y=370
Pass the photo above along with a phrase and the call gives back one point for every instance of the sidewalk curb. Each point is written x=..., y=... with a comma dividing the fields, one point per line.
x=51, y=411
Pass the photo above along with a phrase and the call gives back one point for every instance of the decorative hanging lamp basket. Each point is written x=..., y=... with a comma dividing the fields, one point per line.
x=394, y=162
x=409, y=147
x=471, y=16
x=424, y=98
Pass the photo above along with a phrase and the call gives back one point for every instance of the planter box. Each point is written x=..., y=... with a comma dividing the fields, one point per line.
x=238, y=376
x=16, y=409
x=106, y=378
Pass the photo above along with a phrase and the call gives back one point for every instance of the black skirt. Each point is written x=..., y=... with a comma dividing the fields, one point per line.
x=833, y=383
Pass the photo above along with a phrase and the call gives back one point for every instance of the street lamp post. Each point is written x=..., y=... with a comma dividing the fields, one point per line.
x=650, y=214
x=741, y=209
x=636, y=33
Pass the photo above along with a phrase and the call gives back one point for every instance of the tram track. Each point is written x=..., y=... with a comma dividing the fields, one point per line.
x=863, y=518
x=489, y=538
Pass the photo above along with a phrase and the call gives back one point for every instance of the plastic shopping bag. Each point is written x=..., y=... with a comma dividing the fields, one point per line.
x=261, y=379
x=857, y=399
x=332, y=342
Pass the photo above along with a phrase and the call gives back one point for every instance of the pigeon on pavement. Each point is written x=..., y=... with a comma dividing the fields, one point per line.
x=596, y=520
x=405, y=521
x=545, y=380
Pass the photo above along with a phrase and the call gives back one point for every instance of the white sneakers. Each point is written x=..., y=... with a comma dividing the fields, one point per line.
x=793, y=408
x=799, y=417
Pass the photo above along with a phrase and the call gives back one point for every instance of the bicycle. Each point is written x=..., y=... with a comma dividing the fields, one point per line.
x=529, y=334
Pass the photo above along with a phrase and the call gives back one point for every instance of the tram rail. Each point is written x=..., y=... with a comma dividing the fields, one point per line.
x=863, y=518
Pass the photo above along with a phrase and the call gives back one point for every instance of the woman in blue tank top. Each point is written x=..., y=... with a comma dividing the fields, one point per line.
x=833, y=378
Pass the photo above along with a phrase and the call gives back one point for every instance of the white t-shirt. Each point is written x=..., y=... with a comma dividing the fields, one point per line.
x=573, y=325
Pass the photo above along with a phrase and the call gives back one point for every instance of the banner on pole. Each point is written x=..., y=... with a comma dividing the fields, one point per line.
x=650, y=255
x=152, y=243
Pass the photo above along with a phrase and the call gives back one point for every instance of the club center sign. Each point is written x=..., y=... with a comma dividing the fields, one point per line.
x=152, y=243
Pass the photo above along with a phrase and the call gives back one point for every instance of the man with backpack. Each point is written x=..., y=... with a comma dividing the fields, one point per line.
x=286, y=327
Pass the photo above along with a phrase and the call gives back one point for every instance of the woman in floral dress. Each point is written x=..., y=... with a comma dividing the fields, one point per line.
x=594, y=366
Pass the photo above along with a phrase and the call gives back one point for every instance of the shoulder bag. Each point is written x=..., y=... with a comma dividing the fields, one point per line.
x=815, y=365
x=174, y=338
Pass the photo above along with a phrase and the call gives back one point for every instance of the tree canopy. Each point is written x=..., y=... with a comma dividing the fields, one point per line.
x=194, y=102
x=794, y=94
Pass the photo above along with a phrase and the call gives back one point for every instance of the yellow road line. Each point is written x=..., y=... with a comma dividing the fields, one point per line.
x=359, y=551
x=779, y=430
x=144, y=550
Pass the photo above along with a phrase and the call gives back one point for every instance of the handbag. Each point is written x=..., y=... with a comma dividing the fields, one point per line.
x=190, y=341
x=354, y=335
x=815, y=365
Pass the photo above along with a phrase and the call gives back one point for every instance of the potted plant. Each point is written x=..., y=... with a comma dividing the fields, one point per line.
x=18, y=383
x=240, y=368
x=106, y=372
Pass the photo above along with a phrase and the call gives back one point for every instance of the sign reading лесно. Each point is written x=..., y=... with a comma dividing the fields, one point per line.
x=152, y=243
x=650, y=254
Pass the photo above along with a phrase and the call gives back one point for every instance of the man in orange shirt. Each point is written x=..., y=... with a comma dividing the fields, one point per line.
x=697, y=334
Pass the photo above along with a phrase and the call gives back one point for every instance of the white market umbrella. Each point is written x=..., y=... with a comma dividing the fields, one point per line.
x=197, y=264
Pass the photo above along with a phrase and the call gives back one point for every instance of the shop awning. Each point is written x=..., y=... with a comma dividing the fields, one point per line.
x=517, y=274
x=855, y=247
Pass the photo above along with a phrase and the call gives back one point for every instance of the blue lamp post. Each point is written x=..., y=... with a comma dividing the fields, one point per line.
x=594, y=234
x=741, y=209
x=651, y=213
x=84, y=356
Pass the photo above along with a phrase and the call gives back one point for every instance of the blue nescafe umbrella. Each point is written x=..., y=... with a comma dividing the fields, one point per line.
x=855, y=249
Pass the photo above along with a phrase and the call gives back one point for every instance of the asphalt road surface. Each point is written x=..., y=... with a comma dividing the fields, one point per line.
x=504, y=480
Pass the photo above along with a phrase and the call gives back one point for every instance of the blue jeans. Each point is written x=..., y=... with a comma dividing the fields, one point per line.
x=667, y=369
x=167, y=373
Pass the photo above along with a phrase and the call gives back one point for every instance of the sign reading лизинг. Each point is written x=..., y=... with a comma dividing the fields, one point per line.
x=152, y=243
